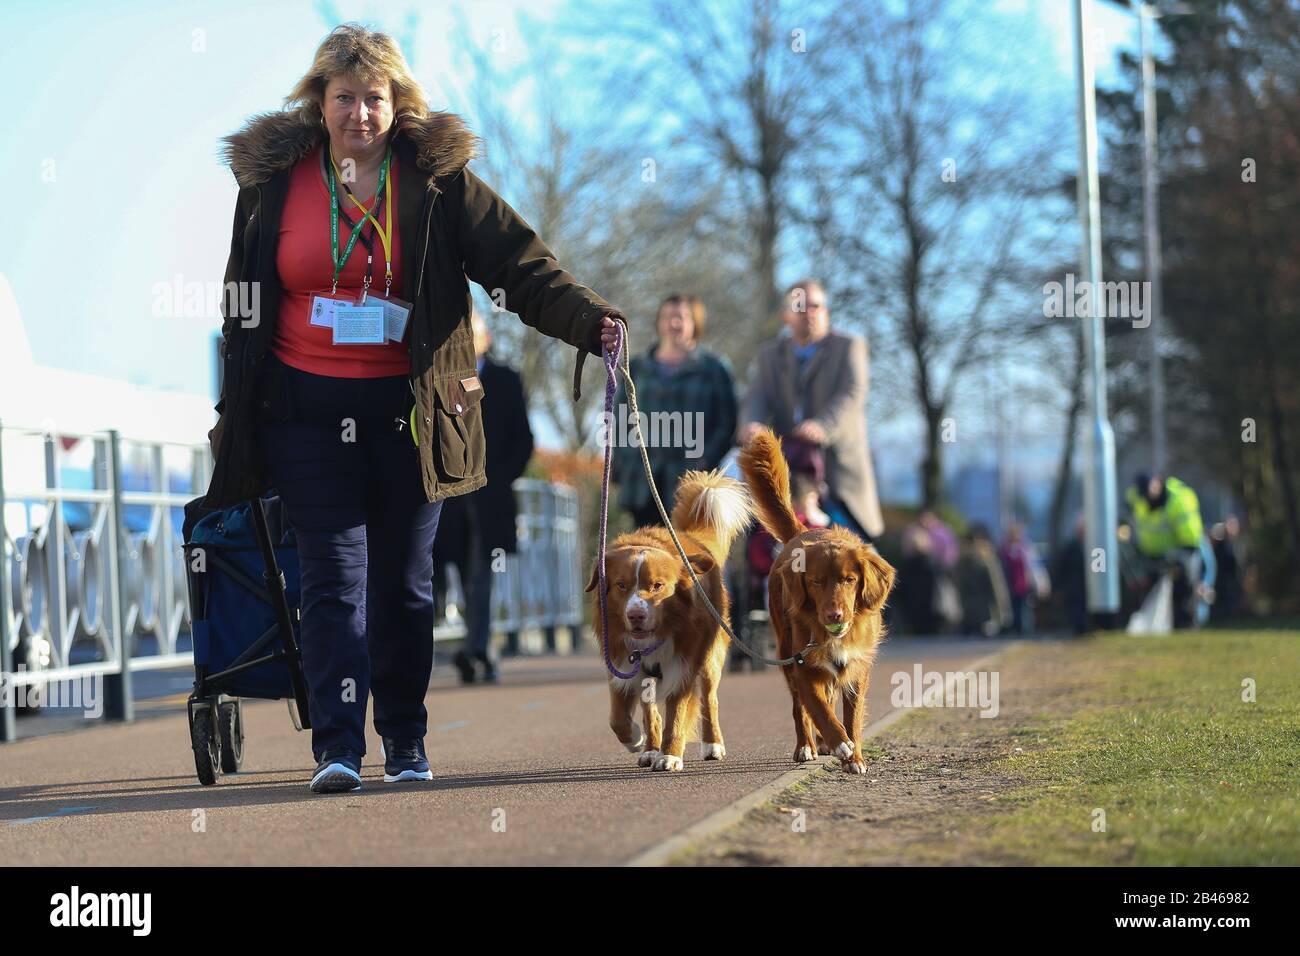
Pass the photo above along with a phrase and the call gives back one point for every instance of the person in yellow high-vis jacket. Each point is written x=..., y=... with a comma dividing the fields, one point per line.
x=1167, y=515
x=1168, y=532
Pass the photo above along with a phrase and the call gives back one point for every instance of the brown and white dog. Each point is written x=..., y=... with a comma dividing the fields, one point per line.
x=652, y=601
x=825, y=594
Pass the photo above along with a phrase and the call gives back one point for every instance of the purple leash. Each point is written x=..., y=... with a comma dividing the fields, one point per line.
x=611, y=387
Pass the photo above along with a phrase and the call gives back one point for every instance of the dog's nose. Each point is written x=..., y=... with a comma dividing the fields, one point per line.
x=636, y=616
x=834, y=616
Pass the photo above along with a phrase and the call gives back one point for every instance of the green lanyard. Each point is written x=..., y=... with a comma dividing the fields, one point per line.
x=334, y=217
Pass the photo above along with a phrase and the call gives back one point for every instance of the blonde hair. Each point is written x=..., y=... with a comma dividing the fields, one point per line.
x=352, y=50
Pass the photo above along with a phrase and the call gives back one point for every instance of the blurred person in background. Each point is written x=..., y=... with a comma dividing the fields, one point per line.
x=1131, y=576
x=1018, y=566
x=1225, y=537
x=1170, y=538
x=811, y=383
x=1070, y=572
x=917, y=583
x=478, y=529
x=676, y=376
x=943, y=539
x=944, y=550
x=985, y=603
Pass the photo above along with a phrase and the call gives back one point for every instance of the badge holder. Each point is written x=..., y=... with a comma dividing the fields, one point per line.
x=323, y=304
x=358, y=324
x=396, y=311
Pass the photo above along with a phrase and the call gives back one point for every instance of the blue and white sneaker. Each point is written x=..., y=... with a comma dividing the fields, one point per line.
x=404, y=759
x=339, y=771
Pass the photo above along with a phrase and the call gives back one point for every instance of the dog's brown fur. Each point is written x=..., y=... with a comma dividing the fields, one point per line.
x=821, y=576
x=644, y=574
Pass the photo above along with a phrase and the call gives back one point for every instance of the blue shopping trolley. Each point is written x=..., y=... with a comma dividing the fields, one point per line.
x=242, y=574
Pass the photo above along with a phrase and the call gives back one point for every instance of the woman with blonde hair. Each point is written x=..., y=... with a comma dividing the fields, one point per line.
x=677, y=380
x=351, y=388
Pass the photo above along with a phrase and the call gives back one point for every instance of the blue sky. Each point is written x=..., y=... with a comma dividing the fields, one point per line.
x=110, y=155
x=110, y=152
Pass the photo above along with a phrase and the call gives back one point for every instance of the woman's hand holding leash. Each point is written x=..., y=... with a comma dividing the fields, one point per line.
x=615, y=355
x=608, y=333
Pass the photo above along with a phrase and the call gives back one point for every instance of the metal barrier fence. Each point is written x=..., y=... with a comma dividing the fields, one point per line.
x=78, y=599
x=541, y=586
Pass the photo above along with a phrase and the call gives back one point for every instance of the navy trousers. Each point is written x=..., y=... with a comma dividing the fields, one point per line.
x=350, y=482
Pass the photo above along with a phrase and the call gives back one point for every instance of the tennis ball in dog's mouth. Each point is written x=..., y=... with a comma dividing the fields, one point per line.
x=835, y=630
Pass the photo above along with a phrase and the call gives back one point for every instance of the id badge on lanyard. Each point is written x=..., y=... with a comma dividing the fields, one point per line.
x=358, y=325
x=396, y=312
x=363, y=321
x=323, y=304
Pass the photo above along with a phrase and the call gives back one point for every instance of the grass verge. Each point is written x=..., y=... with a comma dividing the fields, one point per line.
x=1110, y=750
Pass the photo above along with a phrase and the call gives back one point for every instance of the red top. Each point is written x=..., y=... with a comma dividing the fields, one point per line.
x=303, y=261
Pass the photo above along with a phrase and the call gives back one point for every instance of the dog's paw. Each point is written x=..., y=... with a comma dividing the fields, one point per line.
x=647, y=759
x=668, y=762
x=713, y=751
x=853, y=765
x=822, y=749
x=845, y=750
x=804, y=754
x=638, y=736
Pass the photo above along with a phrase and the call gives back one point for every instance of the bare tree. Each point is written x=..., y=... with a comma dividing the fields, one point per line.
x=577, y=171
x=547, y=164
x=925, y=205
x=746, y=84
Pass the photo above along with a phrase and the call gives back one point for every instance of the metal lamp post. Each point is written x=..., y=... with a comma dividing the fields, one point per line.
x=1099, y=491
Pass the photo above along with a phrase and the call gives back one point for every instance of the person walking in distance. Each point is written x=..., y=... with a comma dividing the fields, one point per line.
x=811, y=383
x=689, y=389
x=479, y=528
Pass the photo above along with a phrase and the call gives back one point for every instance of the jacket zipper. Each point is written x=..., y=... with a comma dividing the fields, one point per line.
x=426, y=211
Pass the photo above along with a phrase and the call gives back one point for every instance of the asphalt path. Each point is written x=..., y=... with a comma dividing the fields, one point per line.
x=526, y=772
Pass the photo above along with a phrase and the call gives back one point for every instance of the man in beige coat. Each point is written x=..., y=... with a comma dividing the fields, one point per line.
x=812, y=385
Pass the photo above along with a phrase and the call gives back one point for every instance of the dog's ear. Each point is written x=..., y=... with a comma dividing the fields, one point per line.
x=796, y=590
x=876, y=580
x=702, y=564
x=595, y=575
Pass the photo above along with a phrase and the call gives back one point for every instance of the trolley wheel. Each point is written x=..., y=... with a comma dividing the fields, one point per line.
x=207, y=749
x=230, y=725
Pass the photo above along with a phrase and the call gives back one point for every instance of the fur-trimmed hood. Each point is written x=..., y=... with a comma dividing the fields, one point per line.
x=270, y=142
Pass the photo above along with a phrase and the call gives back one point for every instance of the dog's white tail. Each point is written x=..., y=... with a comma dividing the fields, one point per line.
x=711, y=505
